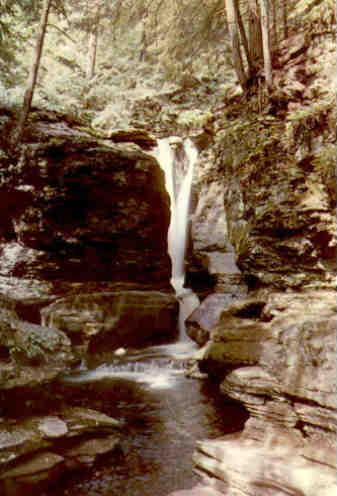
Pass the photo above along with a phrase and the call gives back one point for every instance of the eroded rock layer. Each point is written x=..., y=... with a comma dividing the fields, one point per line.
x=273, y=349
x=83, y=247
x=80, y=208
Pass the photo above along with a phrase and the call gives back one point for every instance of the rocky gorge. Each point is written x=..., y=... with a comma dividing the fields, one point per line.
x=274, y=348
x=86, y=295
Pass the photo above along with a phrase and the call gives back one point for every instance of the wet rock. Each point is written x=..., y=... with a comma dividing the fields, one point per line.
x=30, y=355
x=83, y=420
x=39, y=464
x=53, y=427
x=193, y=372
x=201, y=322
x=86, y=452
x=125, y=318
x=40, y=449
x=33, y=474
x=120, y=352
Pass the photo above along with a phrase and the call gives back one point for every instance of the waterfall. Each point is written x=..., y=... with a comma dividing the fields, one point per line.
x=178, y=230
x=180, y=214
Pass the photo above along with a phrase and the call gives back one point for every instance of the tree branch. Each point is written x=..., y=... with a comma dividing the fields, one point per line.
x=61, y=31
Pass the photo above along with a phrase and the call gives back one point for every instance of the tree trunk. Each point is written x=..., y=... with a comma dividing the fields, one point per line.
x=285, y=18
x=92, y=53
x=255, y=36
x=243, y=36
x=29, y=93
x=266, y=42
x=274, y=36
x=143, y=43
x=235, y=43
x=93, y=43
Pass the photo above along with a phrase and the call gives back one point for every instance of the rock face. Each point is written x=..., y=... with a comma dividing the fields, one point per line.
x=83, y=214
x=274, y=351
x=78, y=208
x=280, y=464
x=83, y=241
x=279, y=198
x=212, y=265
x=287, y=352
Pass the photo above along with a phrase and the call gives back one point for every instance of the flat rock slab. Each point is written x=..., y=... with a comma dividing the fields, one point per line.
x=34, y=447
x=138, y=136
x=42, y=462
x=198, y=491
x=53, y=427
x=87, y=451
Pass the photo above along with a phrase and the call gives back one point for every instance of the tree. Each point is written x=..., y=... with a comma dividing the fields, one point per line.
x=255, y=36
x=93, y=40
x=29, y=93
x=233, y=24
x=285, y=17
x=265, y=26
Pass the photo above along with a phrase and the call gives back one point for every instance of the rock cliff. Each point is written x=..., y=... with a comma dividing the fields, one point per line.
x=272, y=163
x=83, y=247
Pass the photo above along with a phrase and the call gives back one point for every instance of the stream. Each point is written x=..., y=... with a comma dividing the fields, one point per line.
x=165, y=414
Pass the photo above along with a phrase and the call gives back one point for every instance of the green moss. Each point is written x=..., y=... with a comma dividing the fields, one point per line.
x=303, y=121
x=251, y=139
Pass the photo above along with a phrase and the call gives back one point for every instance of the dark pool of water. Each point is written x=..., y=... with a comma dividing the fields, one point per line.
x=163, y=421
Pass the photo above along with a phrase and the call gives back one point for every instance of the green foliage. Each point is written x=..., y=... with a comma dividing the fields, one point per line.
x=17, y=19
x=314, y=13
x=303, y=121
x=142, y=45
x=190, y=119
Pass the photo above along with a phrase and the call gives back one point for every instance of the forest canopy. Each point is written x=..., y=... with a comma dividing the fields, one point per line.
x=99, y=54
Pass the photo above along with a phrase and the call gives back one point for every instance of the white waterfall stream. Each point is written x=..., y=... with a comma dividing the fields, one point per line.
x=154, y=365
x=178, y=230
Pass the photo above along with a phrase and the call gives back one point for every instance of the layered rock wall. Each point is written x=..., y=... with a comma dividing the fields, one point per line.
x=83, y=244
x=275, y=350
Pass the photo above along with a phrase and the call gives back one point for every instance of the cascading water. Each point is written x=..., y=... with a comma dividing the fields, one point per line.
x=154, y=364
x=178, y=230
x=180, y=212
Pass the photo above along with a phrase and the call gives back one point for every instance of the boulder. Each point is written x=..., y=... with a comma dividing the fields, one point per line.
x=30, y=355
x=201, y=322
x=119, y=319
